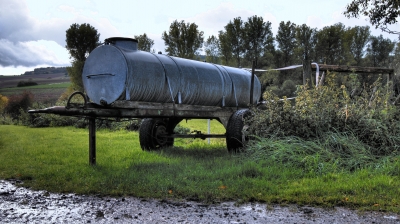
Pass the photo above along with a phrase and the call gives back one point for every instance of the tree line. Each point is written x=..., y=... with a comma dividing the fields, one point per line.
x=242, y=41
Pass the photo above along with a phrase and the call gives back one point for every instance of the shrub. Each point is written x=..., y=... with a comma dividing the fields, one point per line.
x=26, y=83
x=16, y=103
x=181, y=130
x=367, y=113
x=3, y=103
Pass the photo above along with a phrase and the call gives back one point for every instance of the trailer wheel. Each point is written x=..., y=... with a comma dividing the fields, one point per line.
x=236, y=135
x=152, y=134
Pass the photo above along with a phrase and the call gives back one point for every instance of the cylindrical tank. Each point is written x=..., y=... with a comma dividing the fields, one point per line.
x=118, y=71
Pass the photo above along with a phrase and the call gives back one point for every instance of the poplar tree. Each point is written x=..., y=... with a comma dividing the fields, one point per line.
x=183, y=39
x=81, y=40
x=144, y=42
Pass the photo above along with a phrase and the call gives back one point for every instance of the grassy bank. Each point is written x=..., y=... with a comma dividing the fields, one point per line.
x=56, y=159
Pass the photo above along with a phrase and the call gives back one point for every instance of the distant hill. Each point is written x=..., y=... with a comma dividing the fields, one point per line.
x=48, y=70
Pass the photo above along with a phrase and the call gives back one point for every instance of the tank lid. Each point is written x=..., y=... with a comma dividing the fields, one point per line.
x=123, y=42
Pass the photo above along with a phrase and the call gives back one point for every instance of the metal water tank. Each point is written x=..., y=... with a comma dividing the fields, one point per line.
x=118, y=71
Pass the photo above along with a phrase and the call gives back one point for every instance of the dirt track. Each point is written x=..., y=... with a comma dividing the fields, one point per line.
x=21, y=205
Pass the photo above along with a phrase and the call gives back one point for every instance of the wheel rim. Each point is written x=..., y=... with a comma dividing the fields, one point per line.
x=159, y=133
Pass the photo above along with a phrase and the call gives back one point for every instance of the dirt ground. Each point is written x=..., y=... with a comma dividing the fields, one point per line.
x=21, y=205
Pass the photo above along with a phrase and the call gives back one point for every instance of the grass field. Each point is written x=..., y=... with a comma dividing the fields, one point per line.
x=49, y=88
x=56, y=159
x=46, y=93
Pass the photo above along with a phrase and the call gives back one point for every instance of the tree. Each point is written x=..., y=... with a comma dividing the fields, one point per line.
x=81, y=40
x=359, y=38
x=380, y=13
x=144, y=42
x=306, y=40
x=257, y=36
x=378, y=51
x=234, y=38
x=225, y=48
x=183, y=39
x=286, y=38
x=212, y=49
x=330, y=44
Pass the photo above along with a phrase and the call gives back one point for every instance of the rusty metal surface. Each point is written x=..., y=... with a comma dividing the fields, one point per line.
x=118, y=71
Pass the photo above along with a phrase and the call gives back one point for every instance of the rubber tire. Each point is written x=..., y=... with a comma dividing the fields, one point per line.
x=148, y=131
x=235, y=136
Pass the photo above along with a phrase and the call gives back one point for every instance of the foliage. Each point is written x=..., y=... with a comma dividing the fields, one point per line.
x=286, y=38
x=330, y=44
x=18, y=103
x=81, y=40
x=179, y=129
x=287, y=89
x=234, y=39
x=3, y=103
x=212, y=49
x=379, y=50
x=225, y=48
x=183, y=39
x=144, y=42
x=75, y=75
x=305, y=40
x=359, y=39
x=380, y=13
x=257, y=36
x=26, y=83
x=368, y=115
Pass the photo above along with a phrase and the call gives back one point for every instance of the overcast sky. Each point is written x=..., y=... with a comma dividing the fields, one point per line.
x=32, y=32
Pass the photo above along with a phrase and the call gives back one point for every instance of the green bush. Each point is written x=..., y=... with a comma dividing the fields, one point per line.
x=26, y=83
x=365, y=112
x=18, y=103
x=181, y=130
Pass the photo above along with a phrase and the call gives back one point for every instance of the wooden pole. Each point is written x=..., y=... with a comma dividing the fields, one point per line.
x=307, y=73
x=92, y=141
x=356, y=69
x=252, y=82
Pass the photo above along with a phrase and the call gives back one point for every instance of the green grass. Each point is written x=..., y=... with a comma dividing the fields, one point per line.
x=56, y=159
x=202, y=125
x=43, y=86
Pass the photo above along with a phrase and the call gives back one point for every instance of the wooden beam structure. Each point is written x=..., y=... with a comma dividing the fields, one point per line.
x=356, y=69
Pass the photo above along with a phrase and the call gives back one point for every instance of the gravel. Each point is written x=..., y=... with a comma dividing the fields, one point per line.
x=22, y=205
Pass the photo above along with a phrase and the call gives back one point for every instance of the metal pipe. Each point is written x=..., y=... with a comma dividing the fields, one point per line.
x=316, y=73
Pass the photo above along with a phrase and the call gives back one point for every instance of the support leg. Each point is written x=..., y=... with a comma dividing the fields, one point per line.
x=92, y=141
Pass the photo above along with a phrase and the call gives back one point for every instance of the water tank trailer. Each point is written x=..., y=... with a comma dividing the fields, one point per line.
x=121, y=81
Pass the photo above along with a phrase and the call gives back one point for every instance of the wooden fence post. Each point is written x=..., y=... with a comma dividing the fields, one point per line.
x=252, y=82
x=307, y=73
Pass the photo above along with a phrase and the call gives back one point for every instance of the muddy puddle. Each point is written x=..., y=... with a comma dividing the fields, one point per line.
x=21, y=205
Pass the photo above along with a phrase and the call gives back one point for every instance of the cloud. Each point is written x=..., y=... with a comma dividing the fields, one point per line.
x=27, y=54
x=21, y=34
x=216, y=19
